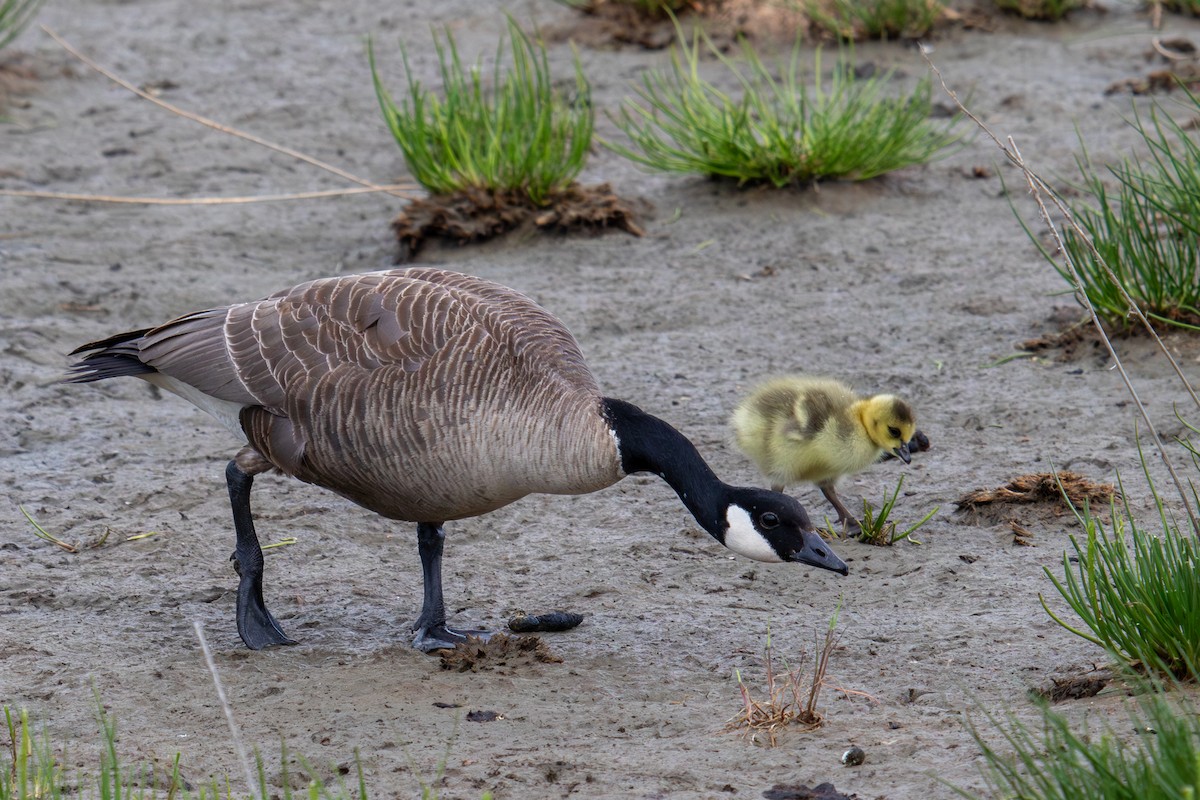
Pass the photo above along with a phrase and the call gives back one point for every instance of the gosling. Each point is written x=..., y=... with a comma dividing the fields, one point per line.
x=799, y=428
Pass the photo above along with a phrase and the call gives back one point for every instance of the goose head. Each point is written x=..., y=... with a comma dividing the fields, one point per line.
x=891, y=424
x=770, y=526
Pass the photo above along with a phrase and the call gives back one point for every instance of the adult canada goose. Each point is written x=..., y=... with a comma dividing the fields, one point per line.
x=427, y=396
x=804, y=428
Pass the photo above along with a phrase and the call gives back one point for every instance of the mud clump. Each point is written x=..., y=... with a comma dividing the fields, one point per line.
x=498, y=652
x=822, y=791
x=1056, y=491
x=475, y=214
x=1075, y=687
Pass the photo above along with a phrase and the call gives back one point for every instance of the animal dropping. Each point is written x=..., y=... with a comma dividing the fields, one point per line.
x=425, y=396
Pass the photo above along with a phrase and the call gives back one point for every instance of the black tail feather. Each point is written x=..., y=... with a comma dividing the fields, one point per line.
x=114, y=357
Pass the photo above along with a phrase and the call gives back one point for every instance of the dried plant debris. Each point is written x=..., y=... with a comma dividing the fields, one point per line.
x=1075, y=338
x=1182, y=60
x=1043, y=488
x=823, y=791
x=553, y=621
x=1074, y=687
x=476, y=214
x=623, y=23
x=605, y=23
x=498, y=651
x=18, y=77
x=1022, y=536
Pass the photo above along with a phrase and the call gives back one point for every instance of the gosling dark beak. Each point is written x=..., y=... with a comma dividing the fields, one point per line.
x=903, y=453
x=816, y=552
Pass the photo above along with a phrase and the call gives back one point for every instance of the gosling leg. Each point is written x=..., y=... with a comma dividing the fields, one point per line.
x=850, y=523
x=430, y=628
x=255, y=624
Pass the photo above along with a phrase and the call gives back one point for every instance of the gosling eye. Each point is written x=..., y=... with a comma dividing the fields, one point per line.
x=894, y=432
x=769, y=520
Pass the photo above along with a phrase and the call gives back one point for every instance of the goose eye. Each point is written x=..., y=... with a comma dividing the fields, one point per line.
x=769, y=520
x=894, y=433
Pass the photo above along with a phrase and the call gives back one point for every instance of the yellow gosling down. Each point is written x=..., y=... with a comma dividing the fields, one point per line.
x=802, y=428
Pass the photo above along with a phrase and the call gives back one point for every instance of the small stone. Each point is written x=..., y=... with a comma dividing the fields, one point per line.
x=854, y=757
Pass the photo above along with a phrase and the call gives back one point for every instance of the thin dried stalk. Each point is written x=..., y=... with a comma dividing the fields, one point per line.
x=1040, y=190
x=341, y=173
x=200, y=201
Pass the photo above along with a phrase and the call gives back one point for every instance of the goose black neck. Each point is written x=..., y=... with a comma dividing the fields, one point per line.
x=648, y=444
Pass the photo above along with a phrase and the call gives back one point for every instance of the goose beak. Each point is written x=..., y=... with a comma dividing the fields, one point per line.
x=816, y=552
x=902, y=453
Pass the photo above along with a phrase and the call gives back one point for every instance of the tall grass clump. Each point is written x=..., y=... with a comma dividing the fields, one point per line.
x=514, y=132
x=779, y=130
x=1145, y=228
x=854, y=20
x=1136, y=594
x=15, y=15
x=1154, y=758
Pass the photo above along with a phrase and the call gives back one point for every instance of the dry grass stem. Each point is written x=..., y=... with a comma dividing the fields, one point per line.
x=1040, y=190
x=790, y=698
x=234, y=732
x=45, y=535
x=392, y=189
x=341, y=173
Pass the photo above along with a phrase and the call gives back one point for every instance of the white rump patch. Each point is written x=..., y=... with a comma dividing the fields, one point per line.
x=227, y=412
x=742, y=537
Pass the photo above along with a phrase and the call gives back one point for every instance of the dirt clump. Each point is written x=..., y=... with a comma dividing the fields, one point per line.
x=1057, y=490
x=497, y=652
x=476, y=214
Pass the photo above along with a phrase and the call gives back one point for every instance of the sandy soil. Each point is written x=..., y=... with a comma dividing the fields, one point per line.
x=913, y=283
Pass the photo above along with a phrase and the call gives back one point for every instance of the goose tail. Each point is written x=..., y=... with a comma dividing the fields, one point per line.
x=114, y=357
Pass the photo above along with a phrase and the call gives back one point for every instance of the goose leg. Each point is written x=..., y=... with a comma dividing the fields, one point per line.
x=430, y=628
x=849, y=523
x=256, y=626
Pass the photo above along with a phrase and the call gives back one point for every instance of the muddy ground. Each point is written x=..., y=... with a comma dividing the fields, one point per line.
x=913, y=283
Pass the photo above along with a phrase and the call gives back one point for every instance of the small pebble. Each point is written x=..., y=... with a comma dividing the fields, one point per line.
x=853, y=757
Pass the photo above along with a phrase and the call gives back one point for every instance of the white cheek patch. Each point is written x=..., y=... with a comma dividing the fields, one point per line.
x=743, y=538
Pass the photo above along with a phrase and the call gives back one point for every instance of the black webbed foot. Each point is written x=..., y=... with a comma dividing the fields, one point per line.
x=440, y=637
x=255, y=624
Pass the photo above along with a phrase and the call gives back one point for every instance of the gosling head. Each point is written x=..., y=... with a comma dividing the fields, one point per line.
x=891, y=424
x=770, y=526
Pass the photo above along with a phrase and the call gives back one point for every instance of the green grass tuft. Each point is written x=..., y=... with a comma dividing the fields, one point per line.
x=878, y=530
x=15, y=15
x=779, y=131
x=32, y=769
x=1156, y=758
x=1146, y=228
x=1137, y=594
x=514, y=132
